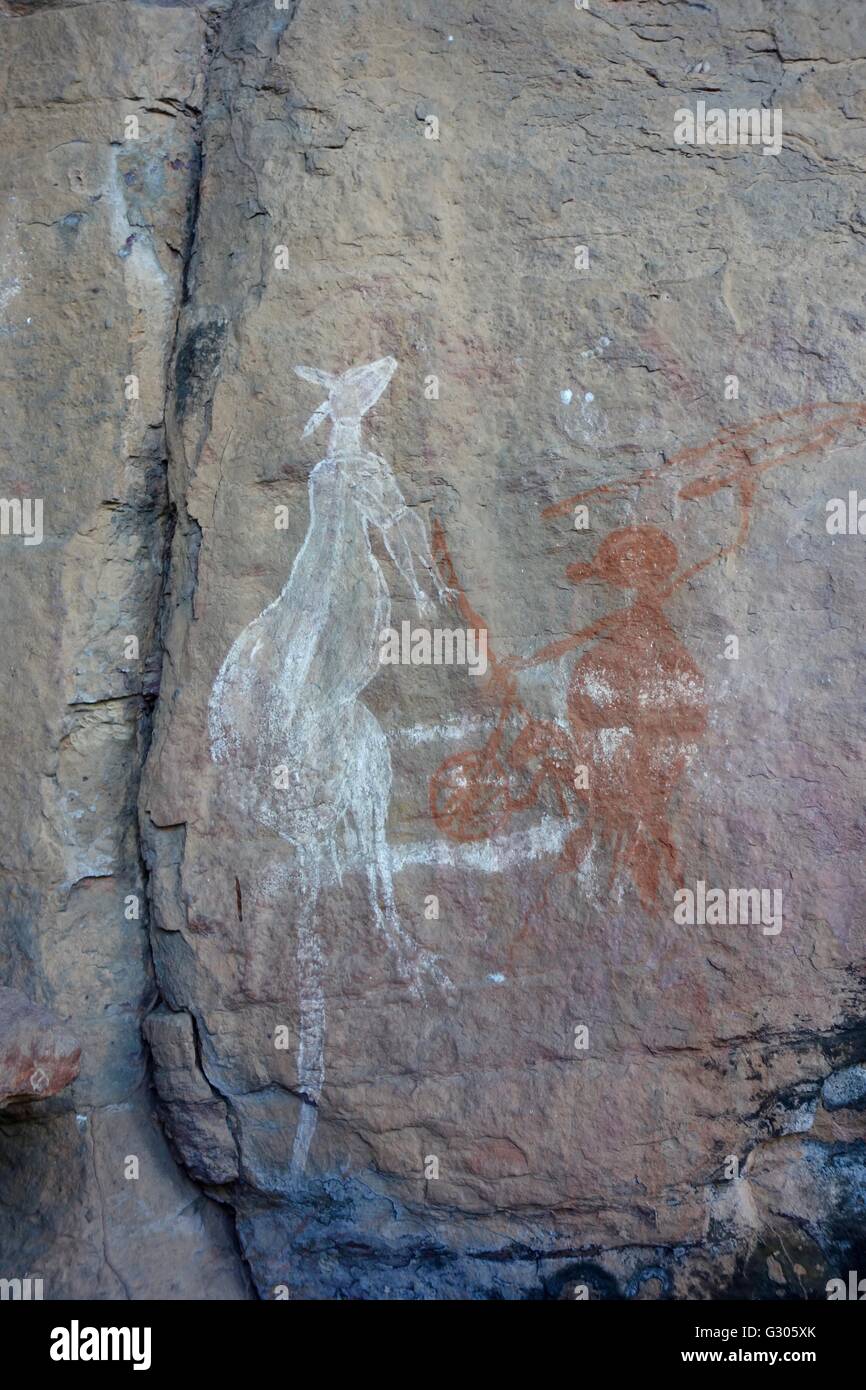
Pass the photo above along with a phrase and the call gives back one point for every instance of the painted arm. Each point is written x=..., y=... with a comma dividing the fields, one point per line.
x=555, y=650
x=406, y=541
x=403, y=531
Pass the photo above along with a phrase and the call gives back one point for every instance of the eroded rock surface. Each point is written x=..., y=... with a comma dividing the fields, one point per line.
x=461, y=1138
x=94, y=229
x=38, y=1055
x=519, y=1073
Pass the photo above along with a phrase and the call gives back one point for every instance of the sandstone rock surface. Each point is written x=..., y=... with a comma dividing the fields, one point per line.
x=38, y=1056
x=93, y=231
x=407, y=980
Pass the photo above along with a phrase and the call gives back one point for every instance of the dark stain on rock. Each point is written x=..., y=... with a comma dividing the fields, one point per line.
x=69, y=227
x=197, y=363
x=563, y=1285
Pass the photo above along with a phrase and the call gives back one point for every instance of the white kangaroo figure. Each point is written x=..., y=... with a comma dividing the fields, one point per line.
x=305, y=754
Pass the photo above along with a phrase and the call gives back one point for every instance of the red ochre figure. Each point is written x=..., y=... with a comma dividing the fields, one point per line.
x=636, y=705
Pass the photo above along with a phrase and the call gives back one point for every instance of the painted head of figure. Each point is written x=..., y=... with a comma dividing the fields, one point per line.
x=634, y=557
x=351, y=394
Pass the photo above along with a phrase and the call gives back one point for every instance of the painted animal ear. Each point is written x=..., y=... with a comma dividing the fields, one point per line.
x=319, y=378
x=316, y=418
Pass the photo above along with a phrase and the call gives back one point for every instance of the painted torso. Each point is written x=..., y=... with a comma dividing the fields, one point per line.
x=638, y=676
x=285, y=695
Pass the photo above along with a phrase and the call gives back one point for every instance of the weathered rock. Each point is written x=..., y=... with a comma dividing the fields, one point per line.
x=444, y=1128
x=407, y=976
x=38, y=1055
x=846, y=1088
x=195, y=1120
x=94, y=228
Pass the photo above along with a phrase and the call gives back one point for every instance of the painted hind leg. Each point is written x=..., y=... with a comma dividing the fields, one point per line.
x=652, y=852
x=370, y=799
x=420, y=967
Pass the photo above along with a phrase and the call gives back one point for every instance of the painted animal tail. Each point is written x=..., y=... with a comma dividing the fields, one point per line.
x=311, y=1026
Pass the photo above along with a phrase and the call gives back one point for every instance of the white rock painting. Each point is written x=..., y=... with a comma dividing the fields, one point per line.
x=302, y=752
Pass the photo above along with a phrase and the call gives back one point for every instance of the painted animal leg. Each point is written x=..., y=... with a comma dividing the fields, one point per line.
x=370, y=814
x=643, y=860
x=376, y=855
x=417, y=963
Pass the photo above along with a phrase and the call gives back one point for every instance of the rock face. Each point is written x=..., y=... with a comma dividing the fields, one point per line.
x=460, y=445
x=93, y=234
x=38, y=1057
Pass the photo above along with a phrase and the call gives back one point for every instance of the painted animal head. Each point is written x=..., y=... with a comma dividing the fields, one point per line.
x=351, y=395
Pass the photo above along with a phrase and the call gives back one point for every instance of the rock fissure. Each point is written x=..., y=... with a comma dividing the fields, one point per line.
x=373, y=306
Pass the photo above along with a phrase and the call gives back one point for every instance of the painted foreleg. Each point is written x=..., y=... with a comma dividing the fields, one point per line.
x=403, y=532
x=406, y=541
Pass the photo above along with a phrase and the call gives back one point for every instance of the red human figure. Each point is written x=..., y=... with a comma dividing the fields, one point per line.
x=635, y=706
